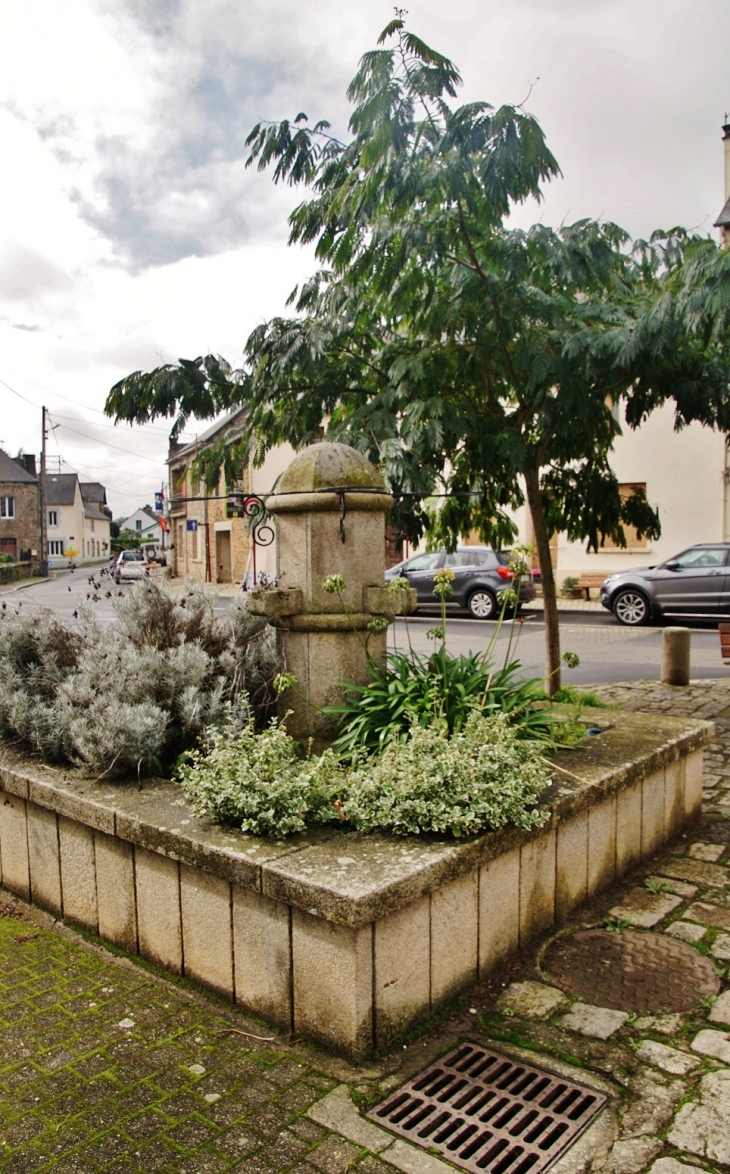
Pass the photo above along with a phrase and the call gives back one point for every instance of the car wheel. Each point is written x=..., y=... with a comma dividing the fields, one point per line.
x=482, y=604
x=630, y=607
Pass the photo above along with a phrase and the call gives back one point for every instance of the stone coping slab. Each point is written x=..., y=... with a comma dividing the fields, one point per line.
x=350, y=879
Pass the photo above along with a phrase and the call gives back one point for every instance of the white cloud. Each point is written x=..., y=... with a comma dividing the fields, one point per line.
x=131, y=233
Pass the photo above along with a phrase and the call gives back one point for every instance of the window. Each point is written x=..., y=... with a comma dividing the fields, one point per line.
x=7, y=507
x=467, y=558
x=92, y=525
x=53, y=517
x=633, y=542
x=423, y=562
x=712, y=556
x=137, y=525
x=55, y=546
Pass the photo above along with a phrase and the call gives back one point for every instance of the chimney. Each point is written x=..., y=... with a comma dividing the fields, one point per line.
x=723, y=220
x=29, y=463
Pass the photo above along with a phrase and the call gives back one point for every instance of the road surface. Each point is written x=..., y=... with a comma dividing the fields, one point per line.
x=607, y=651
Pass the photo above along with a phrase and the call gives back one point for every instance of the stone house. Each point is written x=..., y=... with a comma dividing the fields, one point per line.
x=209, y=540
x=78, y=520
x=20, y=535
x=97, y=520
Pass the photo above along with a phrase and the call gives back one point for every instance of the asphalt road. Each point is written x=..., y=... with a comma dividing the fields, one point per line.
x=607, y=651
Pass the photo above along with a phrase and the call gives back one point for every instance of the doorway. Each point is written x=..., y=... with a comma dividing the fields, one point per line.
x=223, y=556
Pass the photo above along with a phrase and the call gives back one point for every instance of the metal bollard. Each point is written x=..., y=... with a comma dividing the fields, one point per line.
x=675, y=656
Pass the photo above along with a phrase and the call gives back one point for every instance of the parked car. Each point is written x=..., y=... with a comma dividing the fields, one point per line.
x=481, y=573
x=131, y=564
x=693, y=583
x=154, y=553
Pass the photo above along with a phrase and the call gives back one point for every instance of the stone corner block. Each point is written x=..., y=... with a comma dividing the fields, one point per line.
x=337, y=1112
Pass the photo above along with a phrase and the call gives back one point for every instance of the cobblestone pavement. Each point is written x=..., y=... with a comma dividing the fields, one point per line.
x=106, y=1065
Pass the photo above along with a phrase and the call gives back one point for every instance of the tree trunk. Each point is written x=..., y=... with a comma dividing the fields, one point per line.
x=550, y=603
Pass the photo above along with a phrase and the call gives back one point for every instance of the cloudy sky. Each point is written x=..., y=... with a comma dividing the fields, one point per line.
x=131, y=234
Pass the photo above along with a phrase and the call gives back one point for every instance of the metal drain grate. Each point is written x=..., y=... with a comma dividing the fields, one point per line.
x=485, y=1112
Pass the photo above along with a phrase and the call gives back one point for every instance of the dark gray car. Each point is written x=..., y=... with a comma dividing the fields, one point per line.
x=693, y=583
x=481, y=573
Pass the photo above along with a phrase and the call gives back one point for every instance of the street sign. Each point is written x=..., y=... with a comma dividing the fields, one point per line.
x=49, y=564
x=191, y=524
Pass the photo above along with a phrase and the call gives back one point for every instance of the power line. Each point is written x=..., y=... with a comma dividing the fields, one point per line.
x=107, y=444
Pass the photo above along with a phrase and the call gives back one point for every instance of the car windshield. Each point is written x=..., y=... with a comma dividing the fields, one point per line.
x=132, y=556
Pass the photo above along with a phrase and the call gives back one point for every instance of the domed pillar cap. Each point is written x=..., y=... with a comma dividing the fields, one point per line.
x=324, y=476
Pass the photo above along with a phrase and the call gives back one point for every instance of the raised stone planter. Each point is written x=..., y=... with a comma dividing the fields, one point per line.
x=343, y=939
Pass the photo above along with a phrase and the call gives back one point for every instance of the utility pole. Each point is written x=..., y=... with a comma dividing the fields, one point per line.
x=44, y=509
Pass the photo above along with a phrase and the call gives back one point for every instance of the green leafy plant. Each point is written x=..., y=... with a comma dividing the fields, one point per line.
x=442, y=690
x=569, y=695
x=616, y=924
x=570, y=583
x=482, y=777
x=655, y=885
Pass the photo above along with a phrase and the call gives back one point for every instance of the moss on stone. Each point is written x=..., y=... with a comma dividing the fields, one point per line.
x=328, y=465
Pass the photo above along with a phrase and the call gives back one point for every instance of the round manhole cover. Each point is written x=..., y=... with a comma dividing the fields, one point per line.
x=629, y=971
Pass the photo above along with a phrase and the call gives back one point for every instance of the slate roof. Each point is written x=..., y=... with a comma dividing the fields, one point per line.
x=92, y=509
x=233, y=422
x=93, y=491
x=61, y=489
x=11, y=471
x=723, y=220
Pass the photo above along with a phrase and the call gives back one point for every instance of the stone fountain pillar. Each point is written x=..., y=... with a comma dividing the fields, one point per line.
x=329, y=508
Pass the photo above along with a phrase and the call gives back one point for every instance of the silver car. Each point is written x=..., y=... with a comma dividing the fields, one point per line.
x=131, y=564
x=693, y=583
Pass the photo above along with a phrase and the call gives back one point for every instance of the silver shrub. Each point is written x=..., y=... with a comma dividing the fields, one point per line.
x=129, y=696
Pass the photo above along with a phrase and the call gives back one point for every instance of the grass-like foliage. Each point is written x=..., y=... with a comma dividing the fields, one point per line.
x=480, y=778
x=442, y=691
x=127, y=697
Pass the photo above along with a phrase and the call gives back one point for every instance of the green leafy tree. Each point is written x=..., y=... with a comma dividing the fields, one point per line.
x=466, y=358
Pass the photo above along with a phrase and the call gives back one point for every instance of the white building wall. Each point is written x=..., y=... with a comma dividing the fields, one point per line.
x=684, y=473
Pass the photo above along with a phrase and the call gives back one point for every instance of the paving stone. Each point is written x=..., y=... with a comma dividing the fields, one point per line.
x=336, y=1111
x=694, y=871
x=531, y=1000
x=674, y=886
x=333, y=1155
x=701, y=1128
x=596, y=1022
x=668, y=1059
x=686, y=931
x=629, y=1156
x=720, y=948
x=654, y=1100
x=720, y=1010
x=644, y=909
x=708, y=915
x=713, y=1043
x=671, y=1166
x=662, y=1024
x=707, y=852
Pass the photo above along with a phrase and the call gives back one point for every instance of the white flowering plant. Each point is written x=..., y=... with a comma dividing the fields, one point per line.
x=479, y=779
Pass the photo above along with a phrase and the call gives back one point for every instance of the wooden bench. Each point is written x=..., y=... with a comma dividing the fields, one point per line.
x=724, y=630
x=588, y=583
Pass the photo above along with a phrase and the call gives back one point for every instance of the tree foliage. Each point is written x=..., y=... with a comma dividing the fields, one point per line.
x=464, y=356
